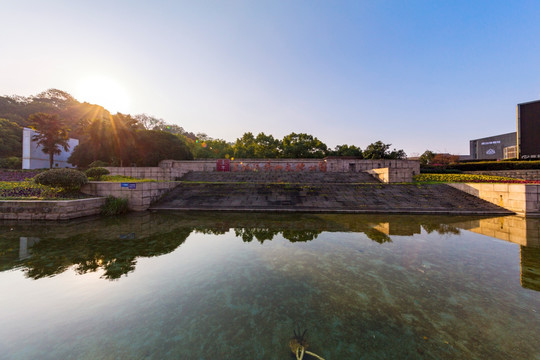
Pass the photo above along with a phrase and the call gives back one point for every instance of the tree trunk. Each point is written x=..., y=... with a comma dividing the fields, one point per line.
x=51, y=160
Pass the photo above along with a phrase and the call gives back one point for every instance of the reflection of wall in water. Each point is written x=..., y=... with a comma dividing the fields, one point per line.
x=530, y=267
x=517, y=229
x=398, y=228
x=25, y=243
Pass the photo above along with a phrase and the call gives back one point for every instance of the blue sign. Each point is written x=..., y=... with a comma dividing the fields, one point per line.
x=132, y=186
x=124, y=184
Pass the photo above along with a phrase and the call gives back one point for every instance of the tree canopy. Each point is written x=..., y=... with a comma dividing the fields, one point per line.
x=52, y=134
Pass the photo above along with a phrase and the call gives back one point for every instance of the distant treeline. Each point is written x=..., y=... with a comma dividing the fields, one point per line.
x=143, y=140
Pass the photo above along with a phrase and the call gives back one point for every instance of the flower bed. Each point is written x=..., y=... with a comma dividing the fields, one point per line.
x=27, y=190
x=453, y=178
x=17, y=175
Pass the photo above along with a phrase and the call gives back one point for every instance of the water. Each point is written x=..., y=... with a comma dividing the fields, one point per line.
x=235, y=286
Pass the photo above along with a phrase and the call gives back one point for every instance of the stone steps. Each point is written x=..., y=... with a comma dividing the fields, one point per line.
x=264, y=177
x=324, y=197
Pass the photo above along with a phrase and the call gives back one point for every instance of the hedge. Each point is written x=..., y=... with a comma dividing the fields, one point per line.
x=496, y=165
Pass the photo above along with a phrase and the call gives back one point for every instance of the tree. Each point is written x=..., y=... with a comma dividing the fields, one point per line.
x=52, y=134
x=244, y=147
x=302, y=146
x=266, y=147
x=427, y=157
x=10, y=139
x=154, y=146
x=346, y=150
x=379, y=150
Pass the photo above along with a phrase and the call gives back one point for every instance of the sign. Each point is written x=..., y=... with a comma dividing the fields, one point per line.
x=223, y=165
x=130, y=186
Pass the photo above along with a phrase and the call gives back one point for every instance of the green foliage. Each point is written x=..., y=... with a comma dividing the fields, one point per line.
x=10, y=139
x=11, y=163
x=27, y=190
x=122, y=178
x=95, y=173
x=346, y=150
x=67, y=179
x=427, y=157
x=465, y=178
x=496, y=165
x=97, y=163
x=52, y=135
x=153, y=146
x=302, y=146
x=379, y=150
x=114, y=206
x=210, y=148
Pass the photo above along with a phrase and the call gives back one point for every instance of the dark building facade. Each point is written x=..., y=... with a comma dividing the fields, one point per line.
x=492, y=147
x=528, y=130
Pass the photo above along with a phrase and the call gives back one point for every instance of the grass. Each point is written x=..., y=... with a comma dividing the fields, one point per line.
x=121, y=178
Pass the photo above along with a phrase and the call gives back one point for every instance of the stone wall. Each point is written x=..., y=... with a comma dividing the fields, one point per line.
x=520, y=198
x=399, y=170
x=517, y=174
x=392, y=175
x=139, y=194
x=49, y=209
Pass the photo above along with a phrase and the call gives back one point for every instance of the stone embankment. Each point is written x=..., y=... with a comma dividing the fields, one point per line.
x=317, y=192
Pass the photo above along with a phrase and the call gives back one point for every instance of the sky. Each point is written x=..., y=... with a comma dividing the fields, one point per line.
x=415, y=74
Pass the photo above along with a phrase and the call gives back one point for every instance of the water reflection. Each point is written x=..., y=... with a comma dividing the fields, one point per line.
x=112, y=246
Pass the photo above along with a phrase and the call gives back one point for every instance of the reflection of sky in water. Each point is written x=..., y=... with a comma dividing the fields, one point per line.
x=454, y=294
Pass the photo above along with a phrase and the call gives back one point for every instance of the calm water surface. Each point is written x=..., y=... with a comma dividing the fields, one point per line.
x=235, y=286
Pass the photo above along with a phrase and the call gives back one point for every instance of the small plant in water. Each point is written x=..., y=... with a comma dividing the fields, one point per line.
x=299, y=344
x=114, y=206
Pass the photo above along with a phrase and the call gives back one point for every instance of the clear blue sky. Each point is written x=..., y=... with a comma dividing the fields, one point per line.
x=417, y=74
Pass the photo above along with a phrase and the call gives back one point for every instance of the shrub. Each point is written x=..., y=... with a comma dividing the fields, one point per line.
x=114, y=206
x=496, y=165
x=468, y=178
x=12, y=162
x=67, y=179
x=95, y=173
x=97, y=163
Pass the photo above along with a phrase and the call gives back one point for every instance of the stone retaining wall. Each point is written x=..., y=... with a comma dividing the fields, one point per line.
x=392, y=175
x=517, y=174
x=49, y=209
x=520, y=198
x=139, y=194
x=403, y=170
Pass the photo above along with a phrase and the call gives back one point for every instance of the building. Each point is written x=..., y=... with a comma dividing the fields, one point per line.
x=35, y=158
x=528, y=130
x=494, y=147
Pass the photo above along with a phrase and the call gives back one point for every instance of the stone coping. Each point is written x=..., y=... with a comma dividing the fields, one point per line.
x=49, y=209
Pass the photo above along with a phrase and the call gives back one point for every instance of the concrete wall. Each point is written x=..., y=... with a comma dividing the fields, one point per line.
x=517, y=174
x=388, y=175
x=49, y=209
x=139, y=194
x=520, y=198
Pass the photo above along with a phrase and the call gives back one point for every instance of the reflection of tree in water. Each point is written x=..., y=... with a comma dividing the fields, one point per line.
x=300, y=235
x=441, y=228
x=377, y=236
x=115, y=256
x=261, y=235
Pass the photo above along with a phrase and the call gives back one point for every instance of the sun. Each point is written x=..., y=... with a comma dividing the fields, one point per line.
x=104, y=91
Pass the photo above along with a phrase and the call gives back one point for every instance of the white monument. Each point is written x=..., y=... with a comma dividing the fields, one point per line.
x=35, y=158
